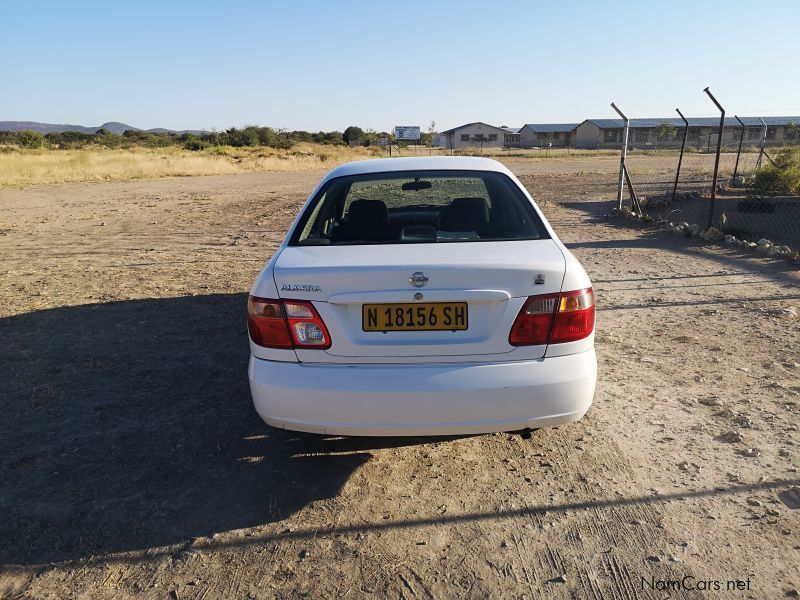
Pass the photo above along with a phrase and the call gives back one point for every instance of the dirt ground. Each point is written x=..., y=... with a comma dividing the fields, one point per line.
x=132, y=463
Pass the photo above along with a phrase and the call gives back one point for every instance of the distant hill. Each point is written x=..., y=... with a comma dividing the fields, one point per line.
x=113, y=126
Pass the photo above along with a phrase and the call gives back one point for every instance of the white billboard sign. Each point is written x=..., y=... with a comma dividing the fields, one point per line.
x=406, y=132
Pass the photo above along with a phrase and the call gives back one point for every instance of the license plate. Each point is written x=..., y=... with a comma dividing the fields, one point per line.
x=418, y=316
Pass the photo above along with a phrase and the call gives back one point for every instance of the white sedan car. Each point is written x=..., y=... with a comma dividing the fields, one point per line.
x=421, y=296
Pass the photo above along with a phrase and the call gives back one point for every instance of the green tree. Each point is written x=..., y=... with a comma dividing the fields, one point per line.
x=792, y=131
x=192, y=142
x=107, y=138
x=301, y=136
x=69, y=139
x=353, y=134
x=426, y=137
x=666, y=131
x=31, y=139
x=333, y=138
x=780, y=177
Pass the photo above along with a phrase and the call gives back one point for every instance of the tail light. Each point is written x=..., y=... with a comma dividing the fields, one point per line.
x=574, y=317
x=534, y=322
x=554, y=319
x=266, y=323
x=305, y=325
x=286, y=324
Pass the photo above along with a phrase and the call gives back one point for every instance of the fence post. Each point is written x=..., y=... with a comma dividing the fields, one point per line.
x=622, y=167
x=762, y=145
x=739, y=151
x=716, y=159
x=680, y=158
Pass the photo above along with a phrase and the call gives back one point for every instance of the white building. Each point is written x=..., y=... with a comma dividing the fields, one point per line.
x=472, y=135
x=543, y=135
x=702, y=134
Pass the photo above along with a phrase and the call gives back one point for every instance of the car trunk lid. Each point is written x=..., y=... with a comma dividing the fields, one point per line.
x=492, y=278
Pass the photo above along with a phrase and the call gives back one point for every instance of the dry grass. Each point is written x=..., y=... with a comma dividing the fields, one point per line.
x=19, y=167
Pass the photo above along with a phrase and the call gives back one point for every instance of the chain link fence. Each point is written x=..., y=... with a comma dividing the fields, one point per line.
x=756, y=194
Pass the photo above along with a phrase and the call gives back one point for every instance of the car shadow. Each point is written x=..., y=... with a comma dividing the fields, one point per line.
x=129, y=425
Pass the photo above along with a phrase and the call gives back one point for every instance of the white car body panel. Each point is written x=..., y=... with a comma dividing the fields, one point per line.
x=413, y=399
x=352, y=276
x=422, y=382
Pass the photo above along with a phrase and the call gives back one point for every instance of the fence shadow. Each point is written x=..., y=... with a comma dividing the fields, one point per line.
x=649, y=236
x=129, y=425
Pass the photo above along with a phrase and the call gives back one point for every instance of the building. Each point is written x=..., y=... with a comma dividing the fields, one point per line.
x=703, y=131
x=543, y=135
x=511, y=139
x=473, y=135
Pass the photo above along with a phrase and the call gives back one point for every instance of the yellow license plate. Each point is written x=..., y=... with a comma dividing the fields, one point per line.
x=417, y=316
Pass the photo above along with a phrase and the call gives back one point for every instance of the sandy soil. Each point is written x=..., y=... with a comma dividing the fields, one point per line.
x=133, y=464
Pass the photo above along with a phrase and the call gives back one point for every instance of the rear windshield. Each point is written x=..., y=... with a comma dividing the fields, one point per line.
x=418, y=207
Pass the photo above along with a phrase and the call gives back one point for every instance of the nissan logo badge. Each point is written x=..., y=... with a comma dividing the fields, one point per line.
x=418, y=279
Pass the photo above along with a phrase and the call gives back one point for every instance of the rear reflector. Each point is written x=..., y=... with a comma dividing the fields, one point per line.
x=286, y=324
x=554, y=319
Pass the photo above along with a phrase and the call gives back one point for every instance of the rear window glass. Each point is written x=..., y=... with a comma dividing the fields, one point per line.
x=418, y=207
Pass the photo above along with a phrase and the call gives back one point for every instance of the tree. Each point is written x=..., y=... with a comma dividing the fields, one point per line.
x=333, y=138
x=792, y=131
x=427, y=137
x=69, y=139
x=107, y=138
x=192, y=142
x=31, y=139
x=353, y=134
x=666, y=131
x=242, y=137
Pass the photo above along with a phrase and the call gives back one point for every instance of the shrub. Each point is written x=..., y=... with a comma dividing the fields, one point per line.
x=31, y=139
x=666, y=131
x=194, y=144
x=68, y=140
x=334, y=138
x=242, y=137
x=780, y=177
x=107, y=138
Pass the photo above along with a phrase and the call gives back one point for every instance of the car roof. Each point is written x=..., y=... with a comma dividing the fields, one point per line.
x=417, y=163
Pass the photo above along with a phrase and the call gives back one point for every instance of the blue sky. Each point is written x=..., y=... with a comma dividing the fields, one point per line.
x=326, y=65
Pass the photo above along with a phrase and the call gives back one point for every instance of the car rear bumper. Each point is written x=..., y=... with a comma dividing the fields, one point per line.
x=427, y=399
x=423, y=399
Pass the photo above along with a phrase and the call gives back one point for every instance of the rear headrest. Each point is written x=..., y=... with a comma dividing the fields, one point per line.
x=368, y=212
x=465, y=214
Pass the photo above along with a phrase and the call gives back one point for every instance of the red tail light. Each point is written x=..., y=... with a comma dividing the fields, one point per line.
x=266, y=323
x=554, y=319
x=286, y=324
x=305, y=325
x=534, y=321
x=574, y=318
